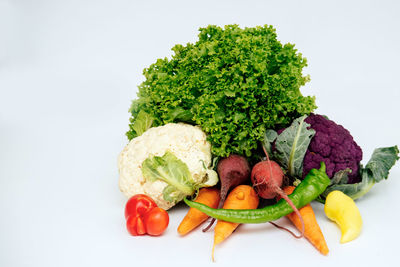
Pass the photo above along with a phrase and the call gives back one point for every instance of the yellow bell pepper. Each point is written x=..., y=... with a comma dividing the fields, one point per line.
x=341, y=209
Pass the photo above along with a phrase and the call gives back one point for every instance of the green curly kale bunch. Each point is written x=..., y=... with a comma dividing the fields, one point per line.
x=234, y=83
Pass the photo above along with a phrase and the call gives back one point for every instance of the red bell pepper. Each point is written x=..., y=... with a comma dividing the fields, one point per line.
x=144, y=217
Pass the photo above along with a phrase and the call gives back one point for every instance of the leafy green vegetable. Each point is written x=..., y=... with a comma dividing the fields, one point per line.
x=234, y=83
x=341, y=177
x=142, y=123
x=171, y=170
x=382, y=160
x=291, y=145
x=269, y=138
x=176, y=174
x=171, y=194
x=376, y=170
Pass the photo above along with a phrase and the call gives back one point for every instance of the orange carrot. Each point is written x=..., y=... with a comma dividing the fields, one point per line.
x=194, y=217
x=312, y=231
x=241, y=197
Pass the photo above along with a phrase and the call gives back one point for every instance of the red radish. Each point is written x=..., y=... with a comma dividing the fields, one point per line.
x=233, y=171
x=267, y=179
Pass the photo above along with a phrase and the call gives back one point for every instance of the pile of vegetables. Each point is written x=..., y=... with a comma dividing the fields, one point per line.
x=238, y=91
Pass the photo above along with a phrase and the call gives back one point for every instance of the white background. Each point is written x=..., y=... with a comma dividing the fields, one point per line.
x=68, y=72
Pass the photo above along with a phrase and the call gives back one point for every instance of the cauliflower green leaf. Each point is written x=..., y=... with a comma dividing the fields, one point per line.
x=176, y=174
x=291, y=145
x=171, y=194
x=269, y=138
x=171, y=170
x=376, y=170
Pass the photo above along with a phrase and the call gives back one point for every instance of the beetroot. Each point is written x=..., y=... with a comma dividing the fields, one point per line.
x=233, y=171
x=267, y=179
x=261, y=174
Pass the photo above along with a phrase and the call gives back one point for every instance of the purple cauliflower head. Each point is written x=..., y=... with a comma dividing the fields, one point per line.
x=334, y=145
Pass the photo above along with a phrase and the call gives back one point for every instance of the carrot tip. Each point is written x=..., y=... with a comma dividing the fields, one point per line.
x=212, y=253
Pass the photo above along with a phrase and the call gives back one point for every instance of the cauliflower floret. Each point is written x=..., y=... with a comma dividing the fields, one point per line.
x=188, y=143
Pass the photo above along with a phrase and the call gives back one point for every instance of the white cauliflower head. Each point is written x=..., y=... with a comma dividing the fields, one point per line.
x=186, y=142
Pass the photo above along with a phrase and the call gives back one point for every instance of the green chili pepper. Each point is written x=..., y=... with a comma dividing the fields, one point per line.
x=314, y=184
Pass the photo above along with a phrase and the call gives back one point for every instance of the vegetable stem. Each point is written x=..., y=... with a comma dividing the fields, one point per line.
x=284, y=196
